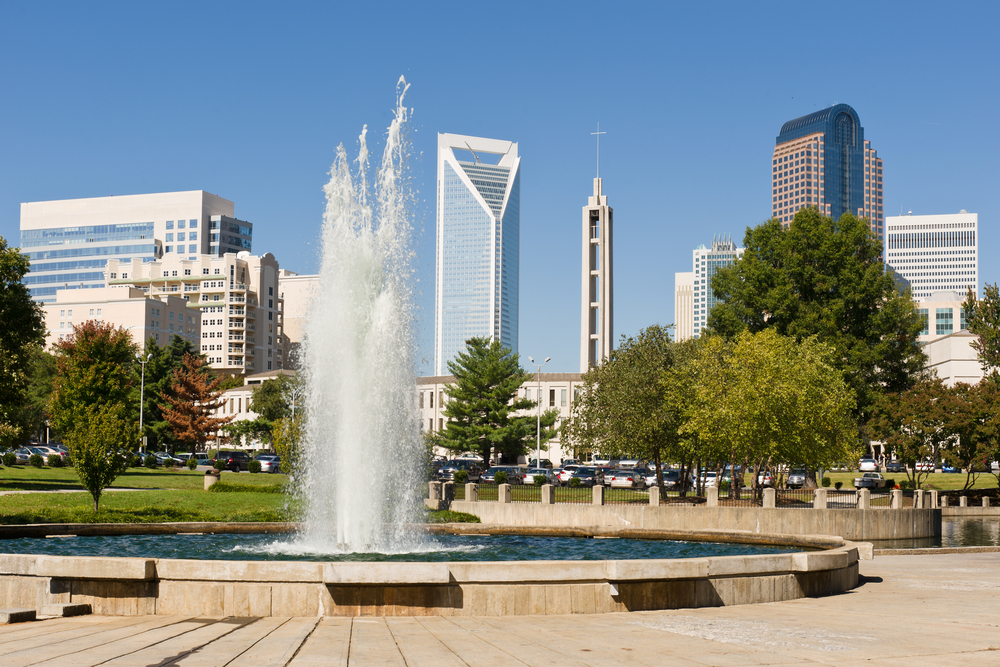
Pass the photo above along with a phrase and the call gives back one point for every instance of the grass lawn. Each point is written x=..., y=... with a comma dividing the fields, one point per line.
x=165, y=495
x=939, y=481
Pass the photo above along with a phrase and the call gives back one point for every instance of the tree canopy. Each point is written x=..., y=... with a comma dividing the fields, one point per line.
x=827, y=279
x=982, y=317
x=21, y=333
x=482, y=404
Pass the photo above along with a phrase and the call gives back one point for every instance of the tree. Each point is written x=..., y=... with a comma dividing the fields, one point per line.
x=99, y=444
x=22, y=331
x=96, y=365
x=159, y=379
x=40, y=387
x=824, y=278
x=287, y=436
x=273, y=399
x=623, y=408
x=766, y=398
x=191, y=404
x=482, y=404
x=982, y=317
x=243, y=431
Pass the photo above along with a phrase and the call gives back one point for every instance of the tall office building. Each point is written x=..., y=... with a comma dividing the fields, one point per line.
x=707, y=261
x=478, y=227
x=934, y=253
x=823, y=161
x=597, y=291
x=70, y=241
x=683, y=305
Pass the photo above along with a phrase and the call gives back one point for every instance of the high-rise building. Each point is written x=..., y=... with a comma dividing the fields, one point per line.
x=683, y=305
x=69, y=241
x=707, y=261
x=478, y=236
x=823, y=161
x=934, y=253
x=236, y=298
x=598, y=315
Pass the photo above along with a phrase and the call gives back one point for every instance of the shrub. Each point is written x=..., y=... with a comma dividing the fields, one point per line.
x=461, y=476
x=9, y=459
x=192, y=463
x=500, y=477
x=724, y=486
x=539, y=480
x=253, y=466
x=826, y=482
x=218, y=464
x=136, y=460
x=574, y=481
x=36, y=460
x=168, y=463
x=149, y=461
x=838, y=485
x=54, y=460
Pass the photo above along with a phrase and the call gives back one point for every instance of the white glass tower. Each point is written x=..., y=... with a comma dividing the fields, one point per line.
x=706, y=262
x=934, y=252
x=478, y=222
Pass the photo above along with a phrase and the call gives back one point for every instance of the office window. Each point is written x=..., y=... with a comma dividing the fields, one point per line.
x=270, y=291
x=180, y=236
x=552, y=398
x=62, y=313
x=180, y=224
x=193, y=236
x=69, y=313
x=169, y=237
x=421, y=400
x=562, y=397
x=168, y=248
x=193, y=248
x=170, y=224
x=99, y=314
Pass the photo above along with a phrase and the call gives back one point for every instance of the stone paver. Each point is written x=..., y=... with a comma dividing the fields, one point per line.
x=922, y=610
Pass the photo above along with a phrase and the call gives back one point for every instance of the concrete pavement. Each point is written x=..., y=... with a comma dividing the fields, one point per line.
x=912, y=610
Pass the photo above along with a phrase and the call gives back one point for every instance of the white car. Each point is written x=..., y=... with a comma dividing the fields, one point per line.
x=867, y=465
x=269, y=462
x=566, y=472
x=626, y=479
x=709, y=478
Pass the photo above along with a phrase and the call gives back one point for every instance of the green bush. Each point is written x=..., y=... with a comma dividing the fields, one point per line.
x=447, y=516
x=236, y=487
x=36, y=460
x=826, y=482
x=461, y=476
x=192, y=463
x=724, y=486
x=539, y=480
x=838, y=485
x=218, y=464
x=54, y=461
x=149, y=461
x=253, y=466
x=500, y=477
x=574, y=481
x=9, y=459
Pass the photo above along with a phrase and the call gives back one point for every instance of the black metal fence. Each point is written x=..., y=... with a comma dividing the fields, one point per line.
x=794, y=498
x=625, y=496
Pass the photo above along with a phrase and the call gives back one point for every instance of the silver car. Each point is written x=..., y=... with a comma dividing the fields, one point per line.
x=269, y=462
x=530, y=473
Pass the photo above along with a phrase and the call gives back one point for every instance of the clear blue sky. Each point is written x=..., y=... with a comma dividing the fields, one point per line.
x=249, y=100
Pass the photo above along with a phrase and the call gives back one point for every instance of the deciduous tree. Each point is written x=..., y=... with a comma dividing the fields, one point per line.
x=100, y=443
x=914, y=424
x=191, y=404
x=982, y=317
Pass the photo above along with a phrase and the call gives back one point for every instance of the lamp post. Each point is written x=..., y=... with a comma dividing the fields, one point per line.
x=142, y=389
x=538, y=428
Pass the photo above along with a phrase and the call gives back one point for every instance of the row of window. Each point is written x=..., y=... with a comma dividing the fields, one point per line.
x=191, y=236
x=181, y=224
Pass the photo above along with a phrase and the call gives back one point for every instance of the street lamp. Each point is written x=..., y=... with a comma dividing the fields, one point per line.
x=142, y=388
x=538, y=428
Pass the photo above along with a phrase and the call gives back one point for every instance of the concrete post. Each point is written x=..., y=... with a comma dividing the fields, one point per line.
x=963, y=501
x=712, y=496
x=944, y=501
x=472, y=492
x=435, y=490
x=769, y=497
x=211, y=477
x=503, y=493
x=548, y=494
x=918, y=499
x=896, y=499
x=598, y=494
x=933, y=504
x=864, y=499
x=819, y=499
x=654, y=496
x=448, y=492
x=986, y=501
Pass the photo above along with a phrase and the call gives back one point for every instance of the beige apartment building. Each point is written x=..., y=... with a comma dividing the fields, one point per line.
x=235, y=297
x=297, y=295
x=143, y=316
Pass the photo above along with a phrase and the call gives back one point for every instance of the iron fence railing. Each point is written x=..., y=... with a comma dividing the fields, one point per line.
x=625, y=496
x=794, y=498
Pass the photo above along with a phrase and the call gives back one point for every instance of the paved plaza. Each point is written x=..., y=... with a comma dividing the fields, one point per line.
x=910, y=610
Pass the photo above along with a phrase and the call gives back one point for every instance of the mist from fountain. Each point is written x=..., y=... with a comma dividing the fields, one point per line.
x=362, y=444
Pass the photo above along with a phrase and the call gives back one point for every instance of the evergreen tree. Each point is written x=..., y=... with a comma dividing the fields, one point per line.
x=22, y=330
x=482, y=404
x=159, y=379
x=191, y=404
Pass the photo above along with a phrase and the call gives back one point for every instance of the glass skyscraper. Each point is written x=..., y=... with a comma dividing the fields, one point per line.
x=478, y=223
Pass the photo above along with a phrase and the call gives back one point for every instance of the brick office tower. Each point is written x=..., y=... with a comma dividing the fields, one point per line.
x=823, y=161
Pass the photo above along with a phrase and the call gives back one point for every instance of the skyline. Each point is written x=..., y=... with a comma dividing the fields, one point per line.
x=250, y=103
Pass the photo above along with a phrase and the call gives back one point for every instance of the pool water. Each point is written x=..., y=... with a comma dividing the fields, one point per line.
x=434, y=548
x=955, y=532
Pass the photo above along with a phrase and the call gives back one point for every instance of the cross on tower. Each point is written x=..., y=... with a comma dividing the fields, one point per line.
x=598, y=133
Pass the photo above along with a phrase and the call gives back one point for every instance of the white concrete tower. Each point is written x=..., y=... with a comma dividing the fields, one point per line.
x=597, y=323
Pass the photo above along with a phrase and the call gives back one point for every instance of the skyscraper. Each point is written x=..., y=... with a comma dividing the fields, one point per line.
x=706, y=261
x=823, y=161
x=478, y=237
x=598, y=314
x=934, y=253
x=683, y=305
x=70, y=241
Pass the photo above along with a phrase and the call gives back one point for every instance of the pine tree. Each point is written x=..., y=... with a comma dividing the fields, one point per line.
x=191, y=404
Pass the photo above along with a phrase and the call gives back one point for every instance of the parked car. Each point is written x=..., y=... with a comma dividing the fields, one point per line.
x=765, y=478
x=870, y=480
x=867, y=465
x=670, y=478
x=709, y=478
x=23, y=455
x=570, y=462
x=588, y=476
x=566, y=471
x=895, y=466
x=163, y=457
x=514, y=475
x=651, y=476
x=948, y=468
x=628, y=463
x=530, y=473
x=925, y=466
x=269, y=462
x=796, y=478
x=473, y=467
x=234, y=460
x=627, y=479
x=533, y=463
